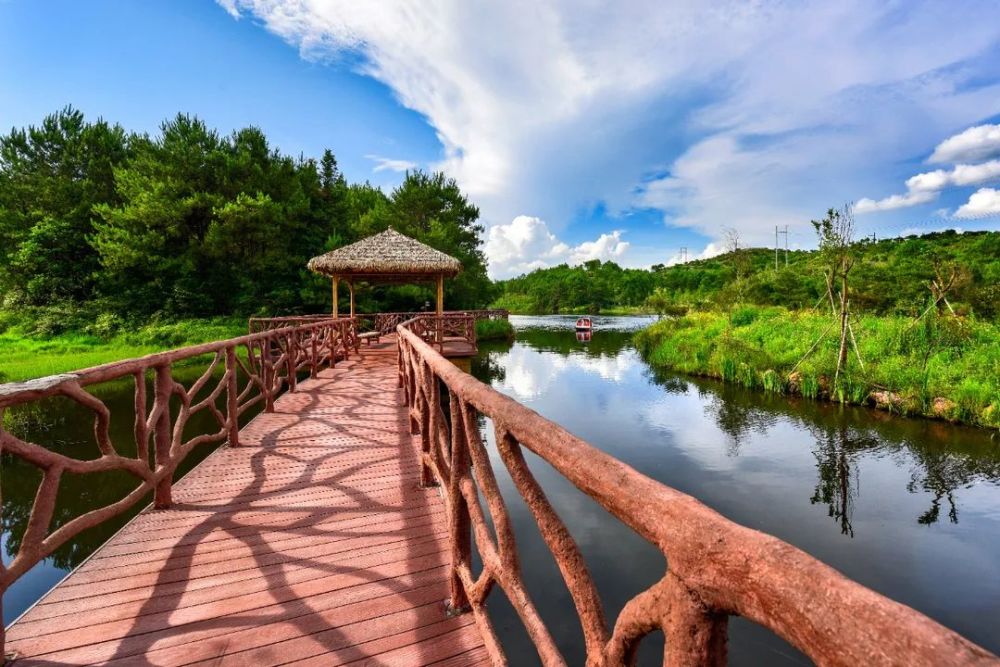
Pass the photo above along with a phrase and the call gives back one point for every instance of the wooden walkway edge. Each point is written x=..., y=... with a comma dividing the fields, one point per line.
x=311, y=543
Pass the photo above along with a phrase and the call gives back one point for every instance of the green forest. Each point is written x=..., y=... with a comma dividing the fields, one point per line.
x=103, y=230
x=115, y=244
x=890, y=276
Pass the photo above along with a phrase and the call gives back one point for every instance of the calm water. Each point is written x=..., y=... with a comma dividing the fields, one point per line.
x=910, y=508
x=65, y=427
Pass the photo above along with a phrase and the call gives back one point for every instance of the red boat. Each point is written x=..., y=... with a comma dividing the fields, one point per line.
x=584, y=324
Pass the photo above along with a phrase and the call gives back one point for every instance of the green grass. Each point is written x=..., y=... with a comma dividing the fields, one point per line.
x=494, y=330
x=942, y=367
x=24, y=356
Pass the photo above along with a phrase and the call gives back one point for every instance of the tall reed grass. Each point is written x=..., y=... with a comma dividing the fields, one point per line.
x=941, y=366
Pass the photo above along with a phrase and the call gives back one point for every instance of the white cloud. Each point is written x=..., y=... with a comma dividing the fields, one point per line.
x=606, y=247
x=866, y=205
x=985, y=201
x=760, y=113
x=718, y=184
x=391, y=164
x=960, y=175
x=526, y=244
x=925, y=187
x=230, y=7
x=973, y=145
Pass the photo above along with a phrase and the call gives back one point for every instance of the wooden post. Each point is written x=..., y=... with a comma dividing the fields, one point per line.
x=459, y=522
x=313, y=352
x=267, y=371
x=440, y=310
x=440, y=295
x=332, y=342
x=335, y=297
x=162, y=435
x=291, y=359
x=694, y=636
x=350, y=287
x=232, y=398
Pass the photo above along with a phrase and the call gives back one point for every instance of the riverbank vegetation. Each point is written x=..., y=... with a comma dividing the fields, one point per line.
x=25, y=356
x=923, y=340
x=494, y=330
x=940, y=367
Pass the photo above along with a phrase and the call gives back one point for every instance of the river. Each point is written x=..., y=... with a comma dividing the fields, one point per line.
x=908, y=507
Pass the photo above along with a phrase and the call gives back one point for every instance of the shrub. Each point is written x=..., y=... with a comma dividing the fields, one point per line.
x=494, y=330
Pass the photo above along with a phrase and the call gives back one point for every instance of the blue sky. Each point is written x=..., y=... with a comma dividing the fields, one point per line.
x=624, y=131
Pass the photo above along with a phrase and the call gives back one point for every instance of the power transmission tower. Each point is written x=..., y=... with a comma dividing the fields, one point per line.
x=777, y=245
x=684, y=255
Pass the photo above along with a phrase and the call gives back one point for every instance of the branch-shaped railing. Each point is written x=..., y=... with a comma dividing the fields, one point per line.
x=382, y=323
x=716, y=568
x=438, y=330
x=255, y=369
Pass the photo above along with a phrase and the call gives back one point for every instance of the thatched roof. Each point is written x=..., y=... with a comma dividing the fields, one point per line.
x=388, y=255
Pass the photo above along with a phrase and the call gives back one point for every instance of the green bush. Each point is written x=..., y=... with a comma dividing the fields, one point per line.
x=494, y=330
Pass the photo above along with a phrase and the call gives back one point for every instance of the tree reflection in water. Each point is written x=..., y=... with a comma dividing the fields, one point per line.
x=836, y=451
x=943, y=457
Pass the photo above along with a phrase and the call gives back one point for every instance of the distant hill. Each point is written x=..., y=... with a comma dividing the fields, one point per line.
x=890, y=276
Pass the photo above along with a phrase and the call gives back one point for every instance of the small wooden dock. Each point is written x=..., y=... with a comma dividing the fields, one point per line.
x=310, y=543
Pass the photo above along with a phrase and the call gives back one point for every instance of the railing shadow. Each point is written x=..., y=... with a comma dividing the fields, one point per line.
x=167, y=622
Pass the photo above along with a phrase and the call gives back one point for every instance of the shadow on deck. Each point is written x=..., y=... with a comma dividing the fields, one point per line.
x=310, y=543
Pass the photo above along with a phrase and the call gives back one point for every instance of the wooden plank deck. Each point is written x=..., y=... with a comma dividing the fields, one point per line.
x=309, y=544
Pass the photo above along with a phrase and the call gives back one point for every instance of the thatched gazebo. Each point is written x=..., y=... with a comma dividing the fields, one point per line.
x=387, y=257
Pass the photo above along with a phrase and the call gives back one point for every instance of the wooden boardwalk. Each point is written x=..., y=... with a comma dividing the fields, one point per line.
x=310, y=543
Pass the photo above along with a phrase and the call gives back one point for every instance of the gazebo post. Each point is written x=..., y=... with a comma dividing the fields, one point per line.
x=335, y=297
x=350, y=287
x=440, y=295
x=440, y=308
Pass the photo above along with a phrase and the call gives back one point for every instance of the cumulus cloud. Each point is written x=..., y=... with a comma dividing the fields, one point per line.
x=391, y=164
x=973, y=145
x=751, y=114
x=985, y=201
x=925, y=187
x=526, y=244
x=866, y=205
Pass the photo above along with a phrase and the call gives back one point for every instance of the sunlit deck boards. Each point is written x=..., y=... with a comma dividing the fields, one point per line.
x=311, y=543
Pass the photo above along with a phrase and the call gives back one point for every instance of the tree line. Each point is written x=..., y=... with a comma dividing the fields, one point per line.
x=891, y=276
x=101, y=224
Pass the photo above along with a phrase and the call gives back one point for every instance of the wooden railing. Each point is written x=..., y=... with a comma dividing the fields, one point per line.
x=717, y=568
x=386, y=323
x=438, y=330
x=383, y=323
x=256, y=368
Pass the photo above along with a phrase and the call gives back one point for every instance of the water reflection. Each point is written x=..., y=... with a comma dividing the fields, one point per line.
x=64, y=426
x=905, y=506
